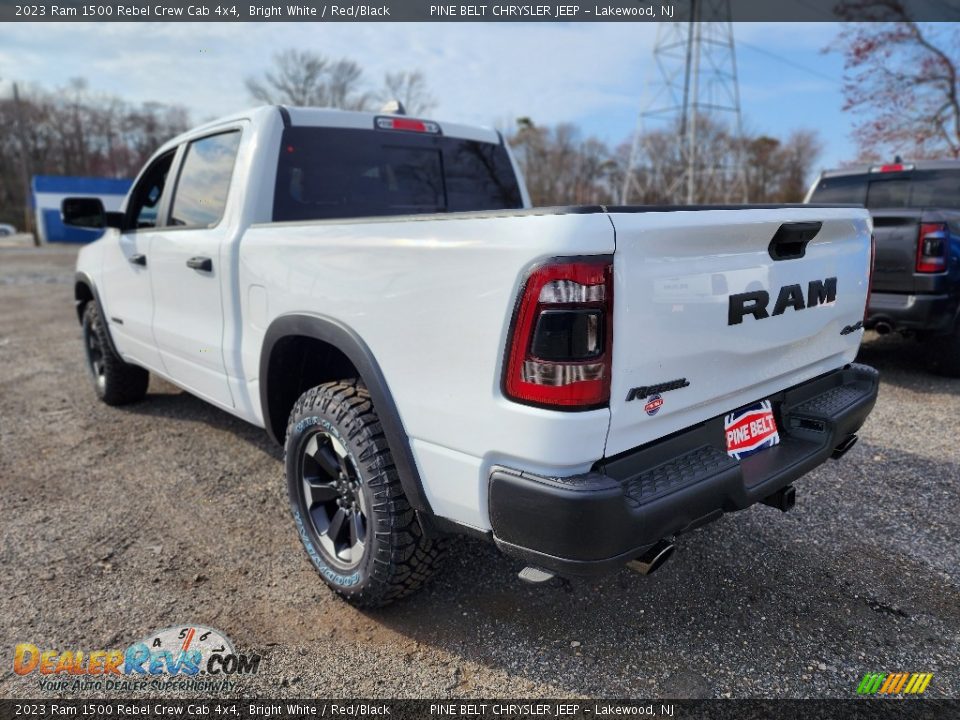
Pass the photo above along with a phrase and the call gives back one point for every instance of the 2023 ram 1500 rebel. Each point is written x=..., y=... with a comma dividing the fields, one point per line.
x=916, y=217
x=578, y=385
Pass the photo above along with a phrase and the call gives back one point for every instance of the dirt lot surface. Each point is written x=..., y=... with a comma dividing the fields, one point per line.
x=118, y=522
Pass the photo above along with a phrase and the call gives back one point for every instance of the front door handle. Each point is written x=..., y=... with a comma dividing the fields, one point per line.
x=138, y=259
x=200, y=263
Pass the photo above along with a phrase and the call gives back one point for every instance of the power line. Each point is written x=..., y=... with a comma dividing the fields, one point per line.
x=787, y=61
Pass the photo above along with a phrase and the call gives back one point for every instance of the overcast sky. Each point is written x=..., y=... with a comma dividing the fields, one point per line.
x=589, y=73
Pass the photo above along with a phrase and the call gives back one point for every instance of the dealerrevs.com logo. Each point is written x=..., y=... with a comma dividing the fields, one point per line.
x=188, y=657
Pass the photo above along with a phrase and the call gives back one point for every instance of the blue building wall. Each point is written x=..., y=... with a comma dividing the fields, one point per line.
x=50, y=190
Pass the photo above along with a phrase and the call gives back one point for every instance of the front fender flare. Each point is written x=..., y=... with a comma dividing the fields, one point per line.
x=81, y=278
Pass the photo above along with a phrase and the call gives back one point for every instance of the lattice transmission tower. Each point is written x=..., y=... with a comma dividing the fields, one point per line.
x=691, y=102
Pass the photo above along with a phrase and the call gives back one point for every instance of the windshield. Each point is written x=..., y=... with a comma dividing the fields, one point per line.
x=917, y=189
x=326, y=173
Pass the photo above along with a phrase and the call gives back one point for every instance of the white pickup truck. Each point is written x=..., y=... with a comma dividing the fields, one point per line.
x=578, y=385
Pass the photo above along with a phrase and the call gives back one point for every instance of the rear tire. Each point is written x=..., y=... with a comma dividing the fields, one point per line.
x=116, y=382
x=350, y=510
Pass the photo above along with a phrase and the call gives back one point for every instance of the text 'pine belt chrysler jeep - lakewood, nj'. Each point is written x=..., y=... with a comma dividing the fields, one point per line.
x=578, y=385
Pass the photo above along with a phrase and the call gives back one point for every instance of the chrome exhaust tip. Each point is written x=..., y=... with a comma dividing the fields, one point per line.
x=883, y=328
x=653, y=559
x=840, y=450
x=535, y=576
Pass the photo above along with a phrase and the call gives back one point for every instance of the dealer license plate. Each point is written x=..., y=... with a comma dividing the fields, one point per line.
x=750, y=430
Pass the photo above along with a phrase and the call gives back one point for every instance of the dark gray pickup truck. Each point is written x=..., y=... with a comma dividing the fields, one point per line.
x=916, y=220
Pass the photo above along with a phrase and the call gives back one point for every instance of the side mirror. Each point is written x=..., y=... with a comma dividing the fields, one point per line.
x=88, y=213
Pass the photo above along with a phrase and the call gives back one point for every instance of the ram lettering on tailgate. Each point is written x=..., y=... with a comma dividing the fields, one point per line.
x=819, y=292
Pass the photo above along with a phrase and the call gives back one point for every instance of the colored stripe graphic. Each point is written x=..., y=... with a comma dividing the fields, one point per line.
x=894, y=683
x=891, y=679
x=870, y=683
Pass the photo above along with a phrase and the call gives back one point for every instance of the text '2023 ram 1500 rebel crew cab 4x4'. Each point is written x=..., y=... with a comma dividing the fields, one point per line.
x=578, y=385
x=916, y=224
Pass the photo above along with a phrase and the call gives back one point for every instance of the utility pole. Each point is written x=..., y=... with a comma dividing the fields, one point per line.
x=692, y=87
x=24, y=165
x=693, y=110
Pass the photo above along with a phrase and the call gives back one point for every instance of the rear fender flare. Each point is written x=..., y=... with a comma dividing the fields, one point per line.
x=342, y=337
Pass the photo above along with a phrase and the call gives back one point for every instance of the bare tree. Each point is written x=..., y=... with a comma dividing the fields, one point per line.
x=304, y=78
x=778, y=171
x=761, y=163
x=410, y=88
x=661, y=176
x=73, y=131
x=344, y=87
x=298, y=78
x=902, y=79
x=797, y=159
x=559, y=167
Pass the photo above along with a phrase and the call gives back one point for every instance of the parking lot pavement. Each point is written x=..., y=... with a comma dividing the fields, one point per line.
x=20, y=240
x=117, y=522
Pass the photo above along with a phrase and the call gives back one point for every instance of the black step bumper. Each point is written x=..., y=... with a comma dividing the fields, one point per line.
x=592, y=523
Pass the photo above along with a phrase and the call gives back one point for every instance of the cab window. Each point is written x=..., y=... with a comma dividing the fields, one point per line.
x=201, y=194
x=144, y=208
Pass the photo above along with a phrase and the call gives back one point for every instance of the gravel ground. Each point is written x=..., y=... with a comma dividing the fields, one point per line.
x=118, y=522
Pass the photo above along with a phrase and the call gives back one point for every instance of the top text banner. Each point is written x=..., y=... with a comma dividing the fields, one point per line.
x=477, y=11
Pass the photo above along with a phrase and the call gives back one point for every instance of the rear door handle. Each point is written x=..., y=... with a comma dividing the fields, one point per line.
x=200, y=263
x=138, y=259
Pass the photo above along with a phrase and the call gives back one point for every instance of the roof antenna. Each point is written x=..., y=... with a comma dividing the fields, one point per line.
x=897, y=159
x=394, y=107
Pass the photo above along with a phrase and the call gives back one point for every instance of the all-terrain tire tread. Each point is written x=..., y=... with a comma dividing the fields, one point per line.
x=125, y=383
x=406, y=558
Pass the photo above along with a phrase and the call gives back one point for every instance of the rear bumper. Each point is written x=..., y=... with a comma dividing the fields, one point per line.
x=932, y=313
x=592, y=523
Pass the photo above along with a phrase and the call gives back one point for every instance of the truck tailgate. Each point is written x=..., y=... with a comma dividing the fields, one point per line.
x=896, y=233
x=676, y=337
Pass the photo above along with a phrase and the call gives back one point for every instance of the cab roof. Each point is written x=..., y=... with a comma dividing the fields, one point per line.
x=334, y=118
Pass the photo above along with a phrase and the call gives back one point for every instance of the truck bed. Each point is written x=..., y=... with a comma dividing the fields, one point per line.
x=433, y=296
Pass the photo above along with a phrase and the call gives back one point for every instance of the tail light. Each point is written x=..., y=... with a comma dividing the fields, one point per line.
x=932, y=248
x=560, y=347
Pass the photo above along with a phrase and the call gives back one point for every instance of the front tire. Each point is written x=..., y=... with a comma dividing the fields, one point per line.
x=347, y=502
x=116, y=382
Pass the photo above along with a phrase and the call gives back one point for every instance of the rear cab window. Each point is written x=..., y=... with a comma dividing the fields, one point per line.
x=913, y=188
x=330, y=173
